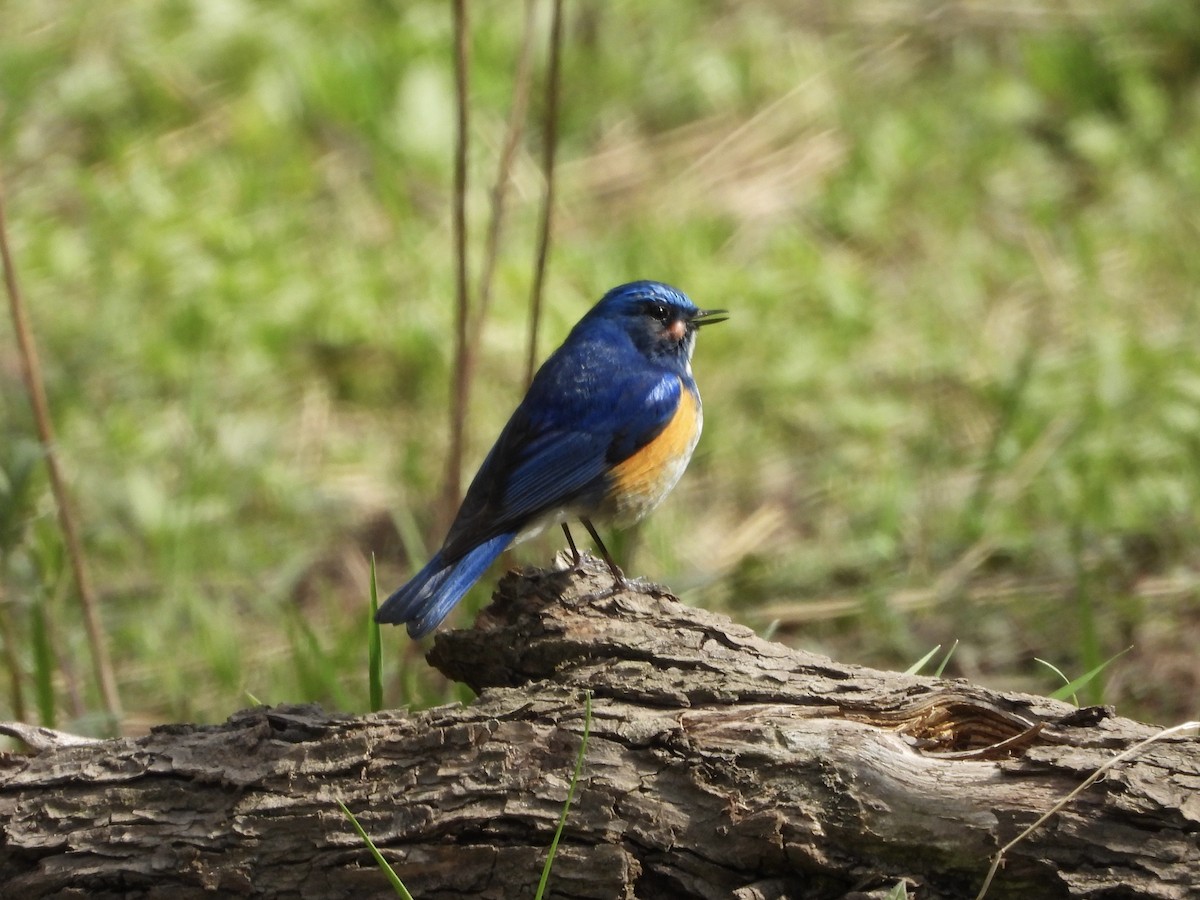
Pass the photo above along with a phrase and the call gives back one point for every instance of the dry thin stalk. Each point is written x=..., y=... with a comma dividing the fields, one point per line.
x=1125, y=754
x=512, y=139
x=549, y=145
x=31, y=374
x=465, y=371
x=459, y=378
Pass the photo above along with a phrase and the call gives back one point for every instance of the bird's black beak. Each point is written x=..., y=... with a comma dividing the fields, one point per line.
x=708, y=317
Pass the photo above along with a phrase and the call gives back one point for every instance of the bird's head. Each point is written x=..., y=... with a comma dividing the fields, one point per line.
x=660, y=320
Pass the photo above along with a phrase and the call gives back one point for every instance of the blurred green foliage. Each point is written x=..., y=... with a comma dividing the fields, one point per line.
x=959, y=397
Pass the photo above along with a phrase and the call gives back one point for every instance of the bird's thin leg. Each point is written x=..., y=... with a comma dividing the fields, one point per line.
x=618, y=576
x=576, y=559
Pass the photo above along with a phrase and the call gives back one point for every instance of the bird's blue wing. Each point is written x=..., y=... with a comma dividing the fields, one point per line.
x=569, y=457
x=559, y=445
x=650, y=409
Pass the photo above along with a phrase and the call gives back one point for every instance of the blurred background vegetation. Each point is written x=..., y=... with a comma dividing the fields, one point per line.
x=959, y=399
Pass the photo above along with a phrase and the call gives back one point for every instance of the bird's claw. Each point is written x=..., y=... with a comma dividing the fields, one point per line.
x=621, y=584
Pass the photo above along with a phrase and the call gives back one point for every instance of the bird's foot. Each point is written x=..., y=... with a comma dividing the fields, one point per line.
x=621, y=584
x=647, y=587
x=572, y=562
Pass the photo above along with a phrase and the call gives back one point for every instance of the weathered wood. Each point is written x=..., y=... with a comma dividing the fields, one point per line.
x=720, y=765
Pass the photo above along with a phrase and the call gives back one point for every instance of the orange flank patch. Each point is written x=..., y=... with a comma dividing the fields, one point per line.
x=643, y=481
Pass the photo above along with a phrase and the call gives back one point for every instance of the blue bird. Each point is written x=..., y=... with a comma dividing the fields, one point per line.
x=604, y=432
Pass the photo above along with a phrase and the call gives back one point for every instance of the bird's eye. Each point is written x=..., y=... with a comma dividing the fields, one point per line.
x=659, y=312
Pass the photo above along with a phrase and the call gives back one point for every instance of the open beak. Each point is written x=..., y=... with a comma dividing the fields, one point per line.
x=708, y=317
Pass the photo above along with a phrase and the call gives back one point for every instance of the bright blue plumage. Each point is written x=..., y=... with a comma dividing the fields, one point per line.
x=433, y=591
x=612, y=388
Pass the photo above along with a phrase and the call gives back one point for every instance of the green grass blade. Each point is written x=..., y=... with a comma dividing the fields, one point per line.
x=562, y=819
x=1053, y=668
x=937, y=673
x=1071, y=688
x=397, y=884
x=920, y=663
x=374, y=647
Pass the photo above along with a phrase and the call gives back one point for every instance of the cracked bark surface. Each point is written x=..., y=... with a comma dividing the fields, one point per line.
x=720, y=765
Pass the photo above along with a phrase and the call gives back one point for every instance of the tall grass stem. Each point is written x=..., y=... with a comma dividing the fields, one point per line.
x=549, y=148
x=508, y=153
x=462, y=365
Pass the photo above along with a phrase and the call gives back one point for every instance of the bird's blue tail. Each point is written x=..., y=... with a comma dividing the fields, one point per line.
x=432, y=592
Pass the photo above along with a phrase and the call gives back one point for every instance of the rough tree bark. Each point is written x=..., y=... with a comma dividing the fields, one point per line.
x=720, y=765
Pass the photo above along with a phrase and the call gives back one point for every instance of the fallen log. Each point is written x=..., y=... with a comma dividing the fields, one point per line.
x=719, y=765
